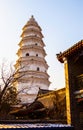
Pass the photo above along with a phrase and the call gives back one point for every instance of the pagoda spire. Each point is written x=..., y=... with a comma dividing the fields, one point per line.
x=31, y=56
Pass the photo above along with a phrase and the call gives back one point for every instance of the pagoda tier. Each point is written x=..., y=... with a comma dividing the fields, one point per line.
x=31, y=63
x=31, y=40
x=31, y=49
x=31, y=31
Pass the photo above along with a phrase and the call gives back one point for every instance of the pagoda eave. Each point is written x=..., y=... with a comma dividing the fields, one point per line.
x=35, y=80
x=31, y=39
x=31, y=24
x=31, y=31
x=32, y=59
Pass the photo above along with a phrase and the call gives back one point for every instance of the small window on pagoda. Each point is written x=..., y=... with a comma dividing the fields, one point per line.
x=36, y=54
x=37, y=68
x=36, y=44
x=27, y=54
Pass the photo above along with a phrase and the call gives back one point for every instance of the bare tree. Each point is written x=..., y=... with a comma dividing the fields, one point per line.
x=8, y=77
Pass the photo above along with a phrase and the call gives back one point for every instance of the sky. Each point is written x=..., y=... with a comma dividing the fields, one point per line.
x=62, y=26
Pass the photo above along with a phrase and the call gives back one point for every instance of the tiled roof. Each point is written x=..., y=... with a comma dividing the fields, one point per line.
x=70, y=51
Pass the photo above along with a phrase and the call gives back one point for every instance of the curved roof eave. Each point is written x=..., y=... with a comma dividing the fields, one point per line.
x=69, y=51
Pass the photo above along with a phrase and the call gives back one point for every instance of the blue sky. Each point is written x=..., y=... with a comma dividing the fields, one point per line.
x=62, y=26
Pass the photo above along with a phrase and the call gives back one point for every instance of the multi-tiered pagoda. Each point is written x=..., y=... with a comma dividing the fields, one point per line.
x=31, y=63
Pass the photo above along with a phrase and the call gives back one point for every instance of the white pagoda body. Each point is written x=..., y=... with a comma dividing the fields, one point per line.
x=31, y=63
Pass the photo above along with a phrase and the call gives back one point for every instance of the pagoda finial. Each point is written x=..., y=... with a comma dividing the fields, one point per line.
x=32, y=18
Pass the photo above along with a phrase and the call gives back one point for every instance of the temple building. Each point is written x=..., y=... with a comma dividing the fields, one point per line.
x=31, y=64
x=73, y=65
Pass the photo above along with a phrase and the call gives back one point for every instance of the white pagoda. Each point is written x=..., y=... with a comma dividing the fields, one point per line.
x=31, y=63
